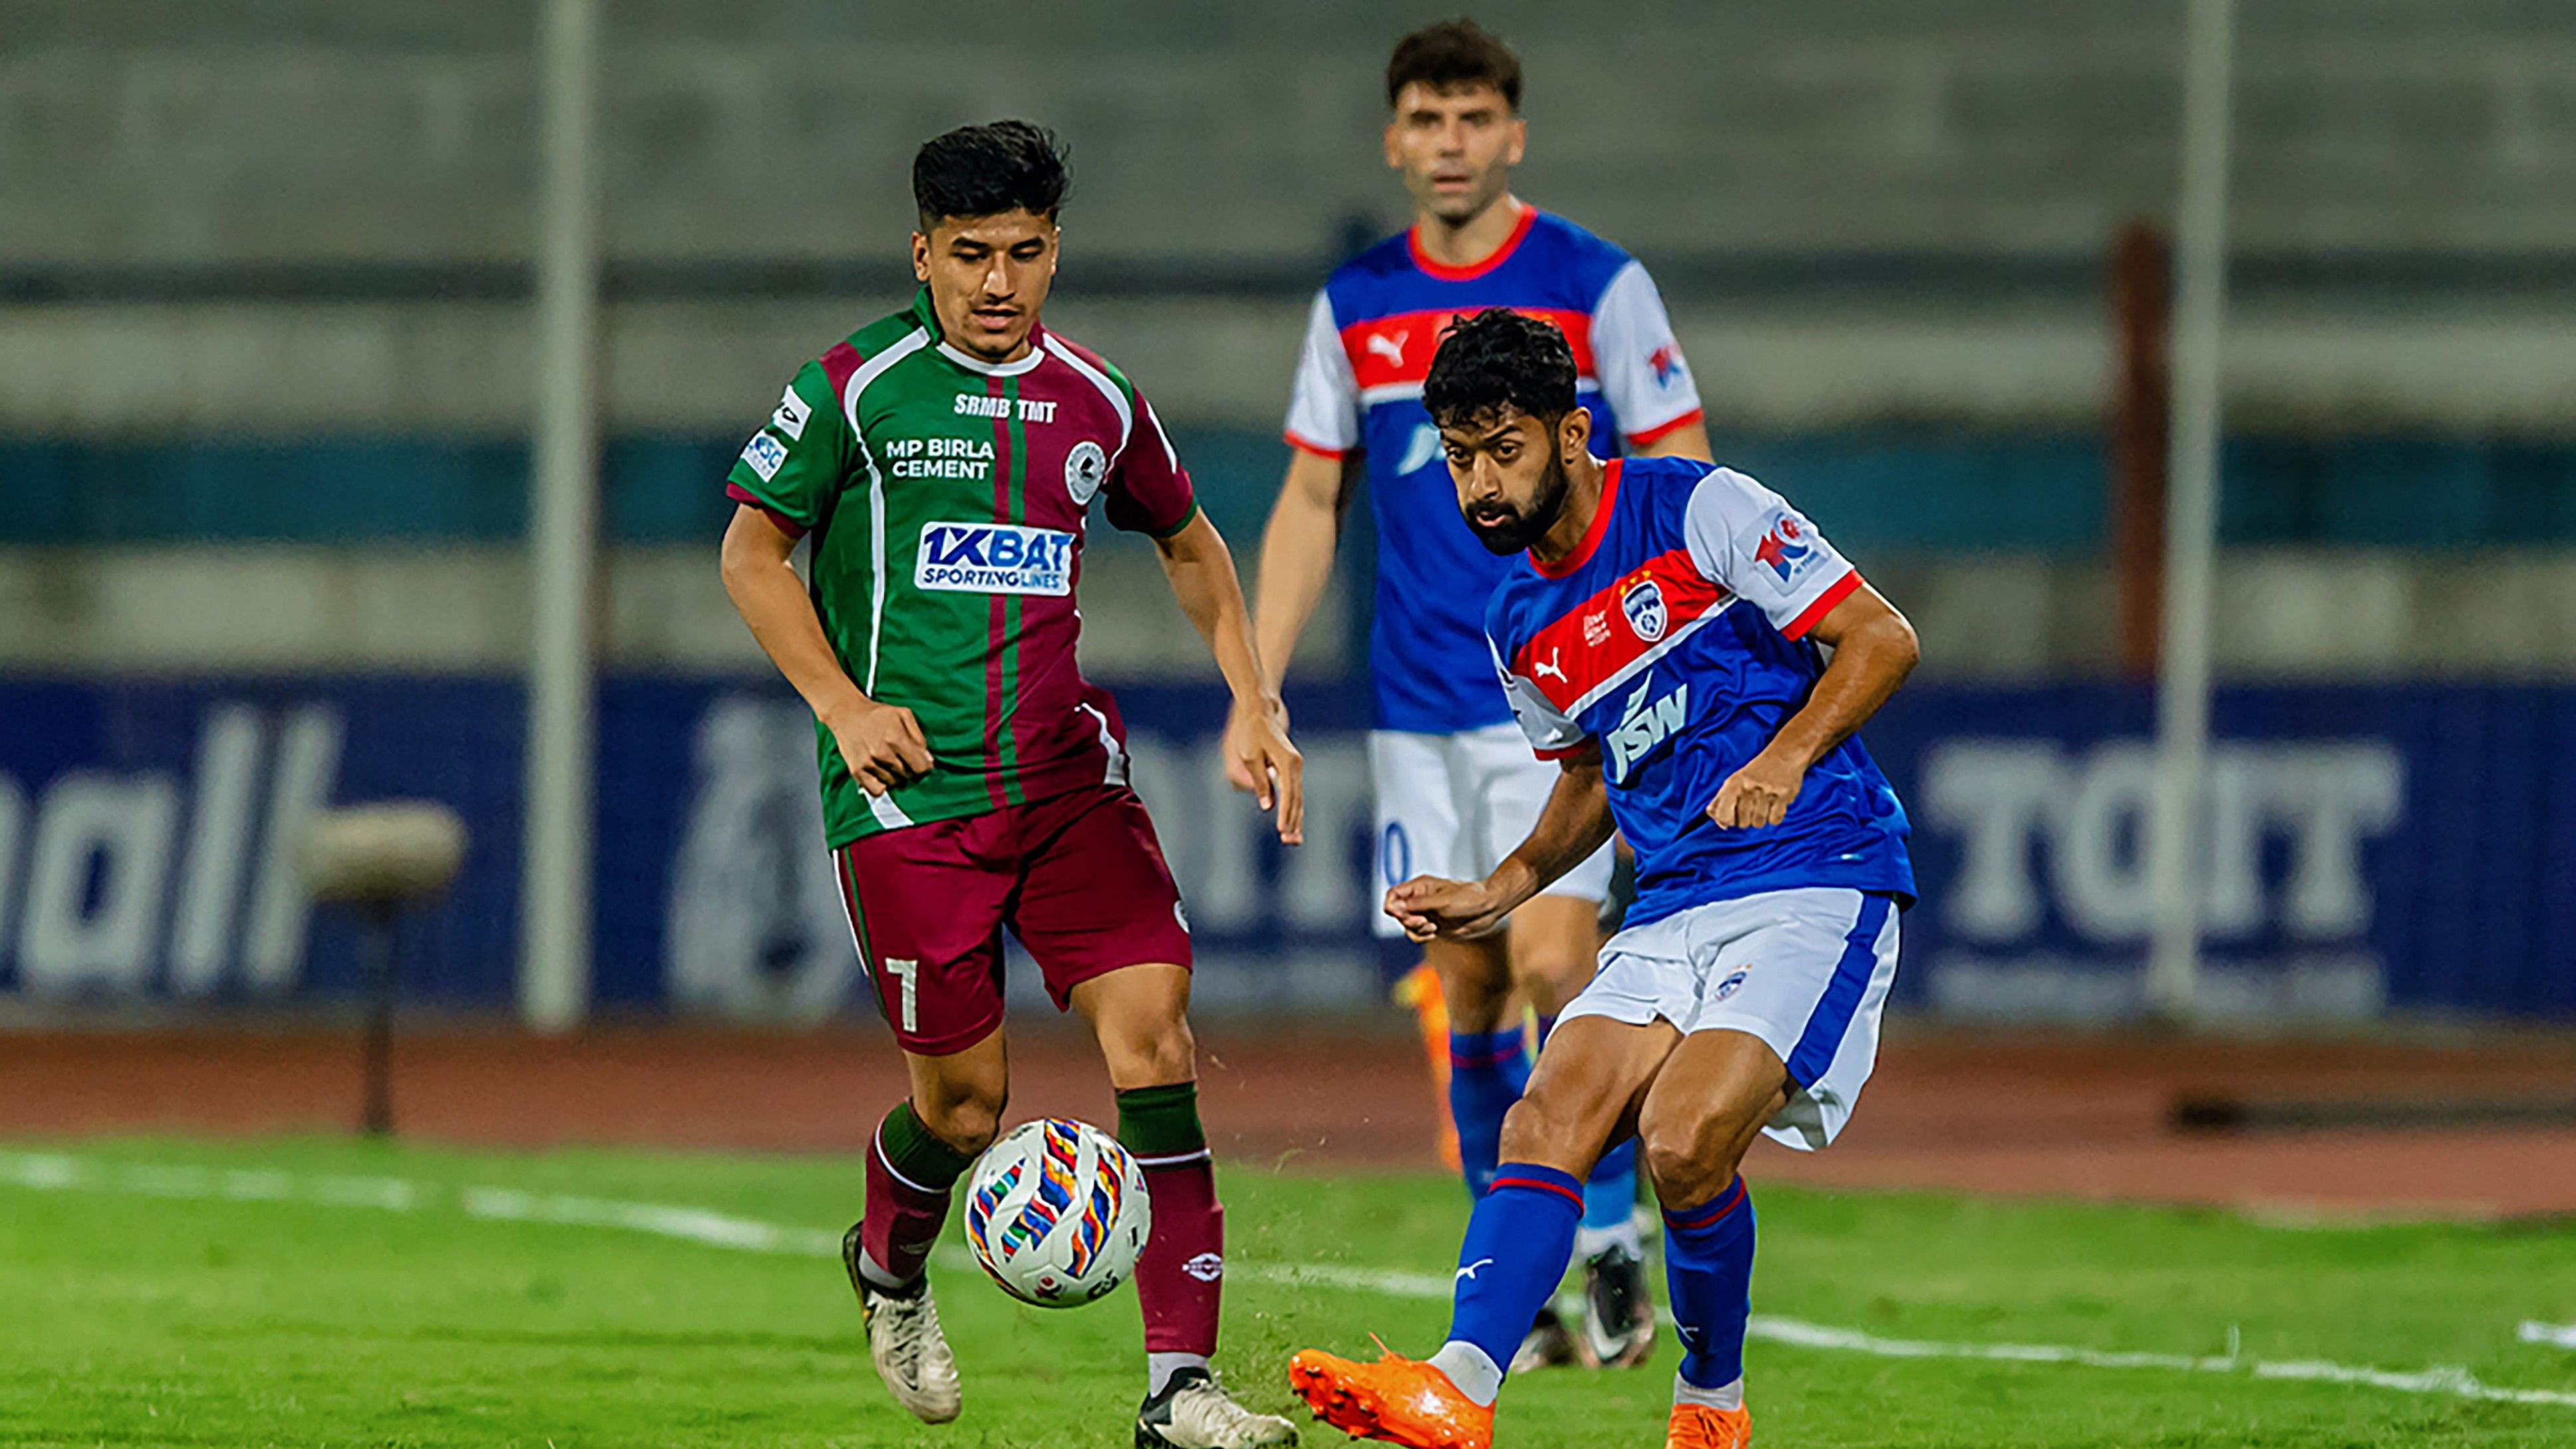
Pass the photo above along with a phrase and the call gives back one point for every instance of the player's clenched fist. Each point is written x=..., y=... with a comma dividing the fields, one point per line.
x=1758, y=794
x=1428, y=907
x=882, y=744
x=1260, y=761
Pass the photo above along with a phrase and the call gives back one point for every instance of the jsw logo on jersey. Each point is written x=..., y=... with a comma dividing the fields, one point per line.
x=994, y=558
x=1644, y=725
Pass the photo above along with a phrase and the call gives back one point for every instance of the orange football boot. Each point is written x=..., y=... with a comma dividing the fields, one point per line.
x=1697, y=1426
x=1397, y=1400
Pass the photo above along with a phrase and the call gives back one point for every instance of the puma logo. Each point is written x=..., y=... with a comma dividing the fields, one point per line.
x=1550, y=667
x=1389, y=345
x=1469, y=1272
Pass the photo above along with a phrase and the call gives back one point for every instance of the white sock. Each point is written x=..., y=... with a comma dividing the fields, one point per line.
x=1729, y=1397
x=1159, y=1368
x=878, y=1278
x=1477, y=1376
x=1591, y=1243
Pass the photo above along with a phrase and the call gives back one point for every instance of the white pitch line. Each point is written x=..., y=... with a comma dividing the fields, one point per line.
x=52, y=1172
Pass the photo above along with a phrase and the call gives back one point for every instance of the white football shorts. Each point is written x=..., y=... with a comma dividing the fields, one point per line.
x=1455, y=805
x=1805, y=970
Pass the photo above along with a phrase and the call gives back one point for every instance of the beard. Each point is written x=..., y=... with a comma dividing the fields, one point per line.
x=1509, y=530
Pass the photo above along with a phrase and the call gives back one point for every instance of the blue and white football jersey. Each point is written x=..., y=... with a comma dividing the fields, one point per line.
x=1673, y=641
x=1359, y=385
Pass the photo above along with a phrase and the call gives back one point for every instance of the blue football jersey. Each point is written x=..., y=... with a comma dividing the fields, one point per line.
x=1673, y=642
x=1368, y=347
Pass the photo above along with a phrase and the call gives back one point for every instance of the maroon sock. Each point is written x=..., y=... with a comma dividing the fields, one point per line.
x=1181, y=1276
x=909, y=1174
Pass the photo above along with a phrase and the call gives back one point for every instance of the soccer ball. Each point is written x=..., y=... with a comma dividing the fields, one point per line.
x=1056, y=1212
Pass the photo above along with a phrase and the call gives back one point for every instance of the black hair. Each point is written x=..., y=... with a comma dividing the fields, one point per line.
x=1500, y=358
x=1451, y=54
x=989, y=169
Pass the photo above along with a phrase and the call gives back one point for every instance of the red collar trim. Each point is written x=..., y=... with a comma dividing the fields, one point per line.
x=1441, y=271
x=1591, y=536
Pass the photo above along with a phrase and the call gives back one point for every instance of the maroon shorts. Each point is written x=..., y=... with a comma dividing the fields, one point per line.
x=1078, y=877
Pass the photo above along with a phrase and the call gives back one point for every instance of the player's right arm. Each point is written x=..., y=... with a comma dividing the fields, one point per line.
x=881, y=743
x=1574, y=824
x=1305, y=527
x=787, y=478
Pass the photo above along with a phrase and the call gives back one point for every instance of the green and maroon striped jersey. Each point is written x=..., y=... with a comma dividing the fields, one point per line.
x=944, y=498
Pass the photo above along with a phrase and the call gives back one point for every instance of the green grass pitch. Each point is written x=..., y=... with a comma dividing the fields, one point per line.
x=135, y=1309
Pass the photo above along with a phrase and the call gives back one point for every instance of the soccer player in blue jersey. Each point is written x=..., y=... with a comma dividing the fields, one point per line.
x=1660, y=641
x=1455, y=788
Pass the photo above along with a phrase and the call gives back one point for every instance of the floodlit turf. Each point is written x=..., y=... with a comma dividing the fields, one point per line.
x=127, y=1318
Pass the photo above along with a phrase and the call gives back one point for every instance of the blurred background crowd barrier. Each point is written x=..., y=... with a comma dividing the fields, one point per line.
x=267, y=380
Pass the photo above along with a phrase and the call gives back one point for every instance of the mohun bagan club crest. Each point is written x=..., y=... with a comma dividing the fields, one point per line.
x=1084, y=467
x=1644, y=606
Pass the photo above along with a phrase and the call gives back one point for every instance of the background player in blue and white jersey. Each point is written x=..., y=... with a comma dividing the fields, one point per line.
x=1455, y=788
x=1661, y=643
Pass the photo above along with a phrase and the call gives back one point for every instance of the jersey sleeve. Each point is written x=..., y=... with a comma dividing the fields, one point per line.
x=795, y=465
x=1149, y=491
x=1550, y=732
x=1747, y=538
x=1324, y=408
x=1643, y=376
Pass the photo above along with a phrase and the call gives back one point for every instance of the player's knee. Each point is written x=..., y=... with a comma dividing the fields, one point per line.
x=967, y=1118
x=1151, y=1053
x=1540, y=1129
x=1686, y=1161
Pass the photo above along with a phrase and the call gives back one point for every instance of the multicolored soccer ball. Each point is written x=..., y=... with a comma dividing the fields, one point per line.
x=1056, y=1212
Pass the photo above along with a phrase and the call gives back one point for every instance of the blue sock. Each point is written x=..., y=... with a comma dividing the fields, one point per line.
x=1519, y=1239
x=1708, y=1269
x=1487, y=1070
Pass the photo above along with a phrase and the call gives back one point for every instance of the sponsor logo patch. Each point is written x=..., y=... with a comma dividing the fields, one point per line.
x=1787, y=546
x=1085, y=466
x=1731, y=984
x=1206, y=1267
x=792, y=415
x=993, y=558
x=1645, y=724
x=1667, y=363
x=765, y=454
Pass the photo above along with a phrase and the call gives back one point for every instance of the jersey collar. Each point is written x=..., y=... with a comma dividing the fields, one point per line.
x=1591, y=536
x=1442, y=271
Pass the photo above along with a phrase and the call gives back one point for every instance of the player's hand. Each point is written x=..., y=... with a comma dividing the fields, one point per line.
x=1429, y=908
x=1260, y=761
x=1759, y=794
x=882, y=744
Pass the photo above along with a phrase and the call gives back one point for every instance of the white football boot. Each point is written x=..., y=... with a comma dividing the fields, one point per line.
x=906, y=1344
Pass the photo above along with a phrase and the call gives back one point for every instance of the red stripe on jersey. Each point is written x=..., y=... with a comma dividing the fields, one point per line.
x=778, y=520
x=839, y=365
x=1824, y=604
x=1318, y=449
x=1442, y=271
x=1601, y=636
x=1663, y=429
x=1397, y=348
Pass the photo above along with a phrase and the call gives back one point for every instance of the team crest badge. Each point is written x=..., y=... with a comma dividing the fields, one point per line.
x=1644, y=606
x=1084, y=468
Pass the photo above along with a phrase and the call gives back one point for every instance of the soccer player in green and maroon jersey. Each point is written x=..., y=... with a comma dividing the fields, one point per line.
x=942, y=461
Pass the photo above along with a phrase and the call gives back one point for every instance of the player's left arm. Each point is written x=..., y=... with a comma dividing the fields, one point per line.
x=1148, y=492
x=1643, y=375
x=1874, y=649
x=1258, y=756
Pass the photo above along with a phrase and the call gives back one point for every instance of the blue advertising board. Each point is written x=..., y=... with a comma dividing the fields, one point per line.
x=2408, y=847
